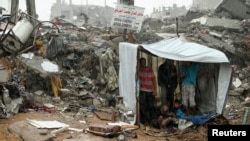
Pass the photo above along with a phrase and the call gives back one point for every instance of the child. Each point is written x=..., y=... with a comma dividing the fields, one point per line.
x=165, y=117
x=180, y=112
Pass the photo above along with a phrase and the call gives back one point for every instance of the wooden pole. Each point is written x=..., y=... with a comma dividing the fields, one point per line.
x=177, y=27
x=138, y=121
x=178, y=62
x=124, y=34
x=130, y=2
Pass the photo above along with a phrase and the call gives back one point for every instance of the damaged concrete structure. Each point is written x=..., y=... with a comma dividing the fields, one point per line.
x=205, y=4
x=71, y=68
x=96, y=15
x=235, y=8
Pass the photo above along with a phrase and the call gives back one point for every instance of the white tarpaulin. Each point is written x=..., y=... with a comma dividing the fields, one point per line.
x=174, y=49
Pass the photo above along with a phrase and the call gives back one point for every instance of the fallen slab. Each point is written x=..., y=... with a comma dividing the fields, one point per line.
x=31, y=133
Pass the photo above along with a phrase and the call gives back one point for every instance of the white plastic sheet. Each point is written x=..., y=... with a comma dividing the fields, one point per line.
x=177, y=49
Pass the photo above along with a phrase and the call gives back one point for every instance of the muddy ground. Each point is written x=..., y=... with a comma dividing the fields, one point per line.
x=5, y=135
x=194, y=133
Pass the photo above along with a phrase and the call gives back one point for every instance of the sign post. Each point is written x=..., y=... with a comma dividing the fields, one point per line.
x=129, y=17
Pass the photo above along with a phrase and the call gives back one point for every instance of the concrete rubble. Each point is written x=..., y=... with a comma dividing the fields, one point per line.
x=71, y=70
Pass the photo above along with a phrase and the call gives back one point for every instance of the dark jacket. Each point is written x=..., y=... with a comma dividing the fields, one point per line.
x=164, y=75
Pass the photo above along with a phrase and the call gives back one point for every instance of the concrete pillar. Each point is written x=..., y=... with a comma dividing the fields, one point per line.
x=13, y=10
x=31, y=9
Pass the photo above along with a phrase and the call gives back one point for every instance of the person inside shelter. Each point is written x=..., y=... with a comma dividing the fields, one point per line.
x=148, y=91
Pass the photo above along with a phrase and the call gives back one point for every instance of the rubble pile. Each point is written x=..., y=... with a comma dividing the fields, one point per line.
x=77, y=67
x=60, y=66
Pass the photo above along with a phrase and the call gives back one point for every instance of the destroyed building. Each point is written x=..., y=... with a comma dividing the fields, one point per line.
x=97, y=15
x=166, y=13
x=76, y=67
x=205, y=5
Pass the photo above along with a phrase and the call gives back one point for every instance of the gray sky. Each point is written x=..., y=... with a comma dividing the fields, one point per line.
x=43, y=6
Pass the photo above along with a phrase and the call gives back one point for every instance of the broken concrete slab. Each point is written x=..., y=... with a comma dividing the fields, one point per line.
x=237, y=8
x=43, y=66
x=221, y=45
x=219, y=23
x=225, y=23
x=30, y=133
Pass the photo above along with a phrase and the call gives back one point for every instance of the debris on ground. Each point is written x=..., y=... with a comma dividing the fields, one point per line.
x=71, y=73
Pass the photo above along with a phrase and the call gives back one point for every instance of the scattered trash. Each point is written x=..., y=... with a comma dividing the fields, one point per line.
x=183, y=124
x=92, y=108
x=81, y=121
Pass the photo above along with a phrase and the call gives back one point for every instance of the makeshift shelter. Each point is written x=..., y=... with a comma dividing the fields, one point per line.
x=179, y=50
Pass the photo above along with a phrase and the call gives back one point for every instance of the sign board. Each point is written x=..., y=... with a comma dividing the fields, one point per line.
x=127, y=17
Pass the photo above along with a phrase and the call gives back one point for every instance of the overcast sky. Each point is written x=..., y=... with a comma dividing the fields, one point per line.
x=43, y=6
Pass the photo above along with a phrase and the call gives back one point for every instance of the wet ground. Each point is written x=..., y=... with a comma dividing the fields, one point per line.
x=233, y=115
x=6, y=135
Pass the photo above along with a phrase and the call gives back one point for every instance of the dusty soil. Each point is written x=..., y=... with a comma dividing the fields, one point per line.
x=195, y=133
x=6, y=135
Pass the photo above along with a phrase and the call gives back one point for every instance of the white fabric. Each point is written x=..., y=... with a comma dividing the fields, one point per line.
x=176, y=49
x=224, y=81
x=127, y=73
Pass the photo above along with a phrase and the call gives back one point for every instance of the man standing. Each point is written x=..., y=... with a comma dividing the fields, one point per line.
x=189, y=72
x=148, y=89
x=167, y=79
